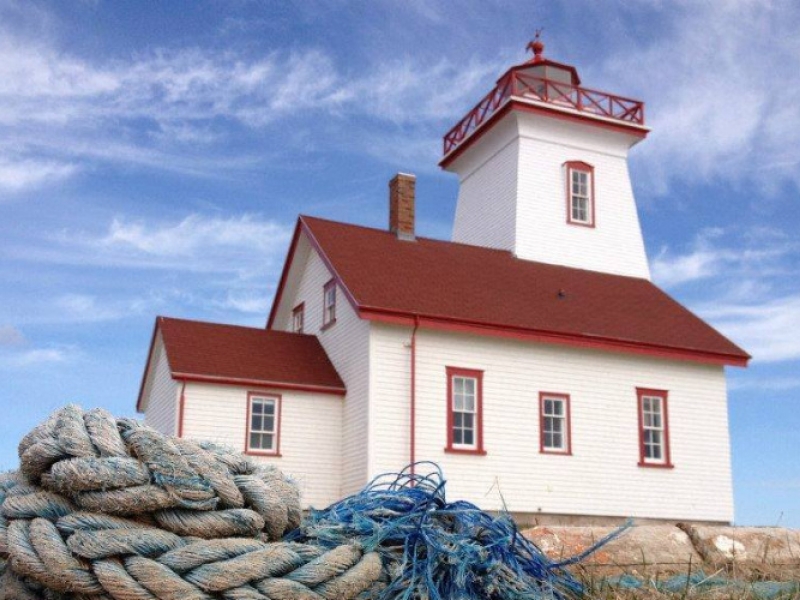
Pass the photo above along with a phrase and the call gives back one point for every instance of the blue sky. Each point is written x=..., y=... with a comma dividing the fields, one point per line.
x=154, y=157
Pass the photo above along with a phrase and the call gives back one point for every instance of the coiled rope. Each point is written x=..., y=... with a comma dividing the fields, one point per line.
x=104, y=508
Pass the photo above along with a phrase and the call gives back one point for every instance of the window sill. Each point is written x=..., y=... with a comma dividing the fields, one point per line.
x=476, y=451
x=648, y=465
x=556, y=452
x=264, y=453
x=579, y=224
x=328, y=325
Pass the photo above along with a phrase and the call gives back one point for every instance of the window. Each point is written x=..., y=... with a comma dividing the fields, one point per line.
x=298, y=317
x=329, y=304
x=263, y=424
x=555, y=435
x=580, y=193
x=464, y=411
x=653, y=428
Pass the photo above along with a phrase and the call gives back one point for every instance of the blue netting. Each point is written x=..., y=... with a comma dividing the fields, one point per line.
x=699, y=581
x=438, y=550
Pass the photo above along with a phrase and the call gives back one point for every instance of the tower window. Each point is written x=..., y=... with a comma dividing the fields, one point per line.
x=580, y=193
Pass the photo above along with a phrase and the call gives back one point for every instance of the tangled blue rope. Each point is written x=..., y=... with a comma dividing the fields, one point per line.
x=435, y=550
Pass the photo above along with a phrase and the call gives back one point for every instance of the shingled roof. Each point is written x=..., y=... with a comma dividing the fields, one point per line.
x=470, y=288
x=198, y=351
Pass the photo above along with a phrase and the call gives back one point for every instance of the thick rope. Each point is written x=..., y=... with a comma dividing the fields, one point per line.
x=105, y=508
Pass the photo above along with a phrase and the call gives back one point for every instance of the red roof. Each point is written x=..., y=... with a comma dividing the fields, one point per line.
x=198, y=351
x=458, y=286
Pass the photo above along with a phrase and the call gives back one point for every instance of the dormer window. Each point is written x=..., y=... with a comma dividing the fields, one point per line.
x=329, y=304
x=580, y=193
x=298, y=317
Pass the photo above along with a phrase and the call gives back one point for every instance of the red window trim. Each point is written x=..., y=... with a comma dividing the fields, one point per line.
x=568, y=420
x=663, y=394
x=300, y=308
x=478, y=376
x=578, y=165
x=331, y=284
x=278, y=414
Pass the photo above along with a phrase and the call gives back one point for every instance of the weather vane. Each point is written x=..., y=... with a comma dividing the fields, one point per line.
x=536, y=45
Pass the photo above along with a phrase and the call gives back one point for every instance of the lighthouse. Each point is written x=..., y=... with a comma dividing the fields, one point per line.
x=543, y=172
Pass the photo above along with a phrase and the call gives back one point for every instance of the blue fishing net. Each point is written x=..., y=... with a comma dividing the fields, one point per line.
x=439, y=550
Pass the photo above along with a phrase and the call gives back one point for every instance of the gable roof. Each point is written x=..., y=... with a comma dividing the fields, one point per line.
x=456, y=286
x=231, y=354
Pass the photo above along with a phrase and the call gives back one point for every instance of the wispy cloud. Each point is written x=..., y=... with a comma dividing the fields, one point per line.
x=732, y=255
x=717, y=110
x=751, y=275
x=768, y=330
x=27, y=173
x=36, y=357
x=772, y=384
x=171, y=108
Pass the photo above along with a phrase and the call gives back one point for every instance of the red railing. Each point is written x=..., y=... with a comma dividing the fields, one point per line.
x=544, y=90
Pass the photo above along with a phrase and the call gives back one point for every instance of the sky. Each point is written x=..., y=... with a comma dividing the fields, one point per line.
x=154, y=157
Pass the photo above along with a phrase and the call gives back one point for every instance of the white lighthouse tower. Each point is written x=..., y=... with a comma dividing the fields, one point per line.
x=543, y=172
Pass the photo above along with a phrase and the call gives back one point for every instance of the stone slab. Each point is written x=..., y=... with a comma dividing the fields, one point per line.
x=746, y=546
x=642, y=550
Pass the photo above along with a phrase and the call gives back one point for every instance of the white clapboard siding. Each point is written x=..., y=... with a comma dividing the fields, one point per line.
x=602, y=477
x=347, y=345
x=514, y=176
x=310, y=433
x=487, y=191
x=161, y=393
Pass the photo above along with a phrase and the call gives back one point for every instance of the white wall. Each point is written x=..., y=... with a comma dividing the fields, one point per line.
x=487, y=191
x=615, y=243
x=602, y=477
x=310, y=433
x=512, y=195
x=161, y=393
x=347, y=345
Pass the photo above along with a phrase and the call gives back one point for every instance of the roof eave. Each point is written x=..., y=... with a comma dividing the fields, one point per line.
x=261, y=383
x=574, y=340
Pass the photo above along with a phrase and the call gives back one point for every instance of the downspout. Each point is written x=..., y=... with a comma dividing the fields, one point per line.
x=181, y=402
x=413, y=420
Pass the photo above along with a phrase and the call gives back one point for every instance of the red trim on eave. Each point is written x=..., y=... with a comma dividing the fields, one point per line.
x=147, y=364
x=302, y=226
x=550, y=111
x=663, y=394
x=504, y=331
x=478, y=376
x=284, y=274
x=579, y=165
x=278, y=412
x=567, y=420
x=281, y=385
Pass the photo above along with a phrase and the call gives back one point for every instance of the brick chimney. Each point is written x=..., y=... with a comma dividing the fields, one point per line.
x=401, y=205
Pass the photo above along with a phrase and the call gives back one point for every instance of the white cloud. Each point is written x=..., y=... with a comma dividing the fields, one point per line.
x=167, y=109
x=715, y=79
x=751, y=275
x=197, y=242
x=771, y=384
x=19, y=174
x=767, y=330
x=735, y=256
x=36, y=357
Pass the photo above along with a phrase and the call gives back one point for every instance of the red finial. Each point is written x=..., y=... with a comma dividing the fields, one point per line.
x=536, y=46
